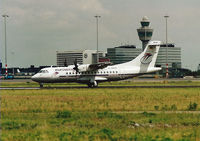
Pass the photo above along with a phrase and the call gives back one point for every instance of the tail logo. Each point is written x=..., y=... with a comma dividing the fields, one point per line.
x=147, y=58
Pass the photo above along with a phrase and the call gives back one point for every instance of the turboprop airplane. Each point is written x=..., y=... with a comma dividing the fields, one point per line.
x=92, y=74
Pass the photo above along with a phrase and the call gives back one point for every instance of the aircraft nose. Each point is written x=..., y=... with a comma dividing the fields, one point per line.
x=34, y=77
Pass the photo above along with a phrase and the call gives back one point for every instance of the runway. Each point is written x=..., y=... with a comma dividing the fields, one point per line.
x=85, y=87
x=19, y=88
x=132, y=80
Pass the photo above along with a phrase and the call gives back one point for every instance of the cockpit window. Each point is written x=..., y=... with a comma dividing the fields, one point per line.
x=43, y=71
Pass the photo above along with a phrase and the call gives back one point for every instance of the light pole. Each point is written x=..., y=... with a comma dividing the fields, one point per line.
x=167, y=73
x=97, y=17
x=5, y=16
x=13, y=58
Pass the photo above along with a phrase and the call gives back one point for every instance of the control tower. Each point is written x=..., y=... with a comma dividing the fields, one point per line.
x=145, y=32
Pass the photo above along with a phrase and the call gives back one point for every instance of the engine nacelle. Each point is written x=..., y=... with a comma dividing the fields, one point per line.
x=83, y=68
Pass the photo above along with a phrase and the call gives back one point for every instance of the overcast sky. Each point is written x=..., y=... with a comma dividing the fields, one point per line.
x=36, y=29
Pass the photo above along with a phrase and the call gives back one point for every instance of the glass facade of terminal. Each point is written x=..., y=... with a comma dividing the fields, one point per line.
x=120, y=55
x=173, y=59
x=69, y=56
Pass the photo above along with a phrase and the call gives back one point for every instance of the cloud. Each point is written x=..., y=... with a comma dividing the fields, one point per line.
x=38, y=26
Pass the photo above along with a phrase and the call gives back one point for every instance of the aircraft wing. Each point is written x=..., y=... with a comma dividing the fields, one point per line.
x=93, y=67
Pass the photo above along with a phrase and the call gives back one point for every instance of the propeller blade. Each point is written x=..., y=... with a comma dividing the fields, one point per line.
x=65, y=63
x=76, y=66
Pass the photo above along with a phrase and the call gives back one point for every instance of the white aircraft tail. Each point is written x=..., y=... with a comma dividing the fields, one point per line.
x=147, y=59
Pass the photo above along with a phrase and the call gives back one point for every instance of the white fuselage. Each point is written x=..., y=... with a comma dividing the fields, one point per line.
x=68, y=74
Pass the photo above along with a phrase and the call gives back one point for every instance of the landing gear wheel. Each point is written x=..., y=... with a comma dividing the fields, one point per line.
x=90, y=85
x=41, y=85
x=93, y=85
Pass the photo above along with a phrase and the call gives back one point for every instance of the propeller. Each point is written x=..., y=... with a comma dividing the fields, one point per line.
x=76, y=66
x=65, y=63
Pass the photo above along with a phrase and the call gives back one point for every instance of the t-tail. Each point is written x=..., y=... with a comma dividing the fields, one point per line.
x=147, y=59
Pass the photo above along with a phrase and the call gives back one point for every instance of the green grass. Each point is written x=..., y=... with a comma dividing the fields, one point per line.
x=100, y=114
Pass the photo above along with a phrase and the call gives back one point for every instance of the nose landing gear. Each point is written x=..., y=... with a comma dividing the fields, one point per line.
x=41, y=85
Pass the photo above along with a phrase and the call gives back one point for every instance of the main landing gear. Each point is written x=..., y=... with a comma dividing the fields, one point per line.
x=93, y=84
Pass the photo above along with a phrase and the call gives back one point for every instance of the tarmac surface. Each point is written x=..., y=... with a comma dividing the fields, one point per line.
x=133, y=80
x=16, y=80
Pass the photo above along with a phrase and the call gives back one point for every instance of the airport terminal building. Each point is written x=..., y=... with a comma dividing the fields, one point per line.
x=126, y=53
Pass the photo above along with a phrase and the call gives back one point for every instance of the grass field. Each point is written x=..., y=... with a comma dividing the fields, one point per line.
x=100, y=114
